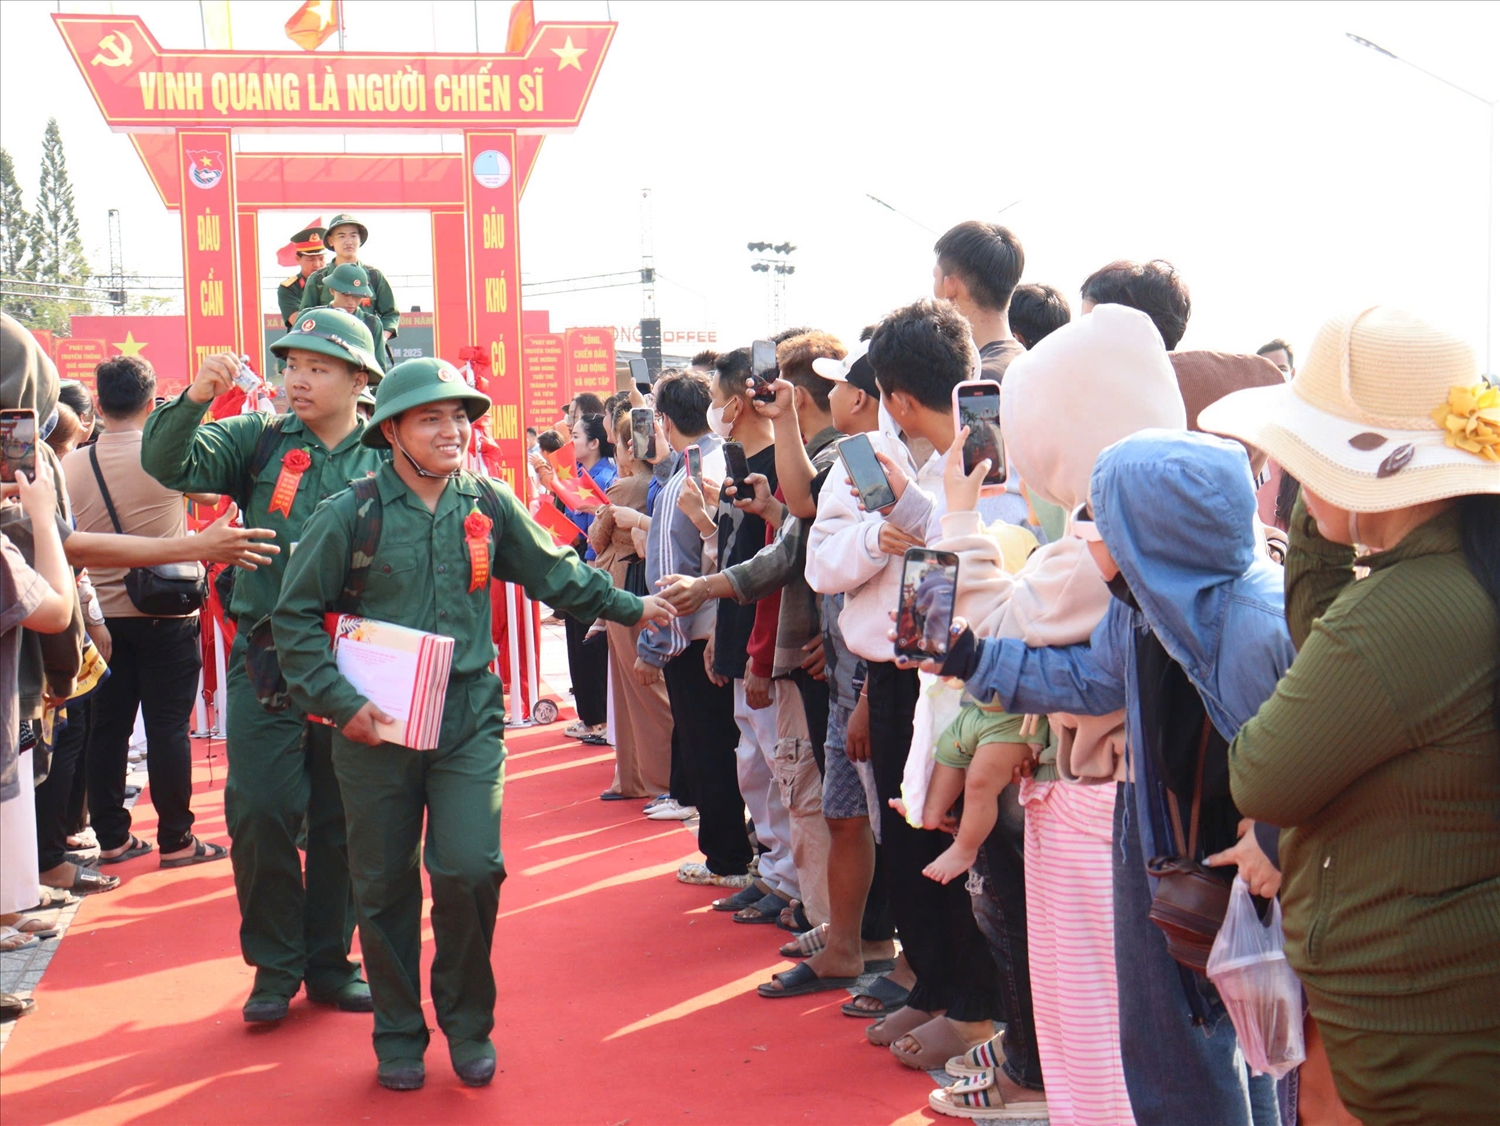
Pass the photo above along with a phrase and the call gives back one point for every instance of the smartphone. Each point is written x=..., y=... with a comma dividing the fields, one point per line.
x=865, y=473
x=736, y=469
x=929, y=582
x=643, y=433
x=976, y=404
x=18, y=438
x=694, y=458
x=763, y=368
x=640, y=375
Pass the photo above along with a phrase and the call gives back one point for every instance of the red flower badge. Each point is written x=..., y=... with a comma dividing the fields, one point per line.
x=477, y=537
x=297, y=461
x=477, y=525
x=293, y=464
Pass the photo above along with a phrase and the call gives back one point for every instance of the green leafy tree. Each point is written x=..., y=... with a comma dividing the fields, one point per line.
x=15, y=234
x=56, y=249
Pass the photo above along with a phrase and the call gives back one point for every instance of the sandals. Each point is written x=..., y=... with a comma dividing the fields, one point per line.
x=203, y=853
x=134, y=847
x=979, y=1097
x=12, y=939
x=801, y=979
x=88, y=881
x=767, y=909
x=806, y=944
x=937, y=1042
x=42, y=926
x=52, y=897
x=978, y=1060
x=13, y=1007
x=890, y=995
x=888, y=1029
x=746, y=897
x=793, y=918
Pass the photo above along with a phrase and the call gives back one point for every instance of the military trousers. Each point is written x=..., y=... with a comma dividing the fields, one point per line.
x=458, y=786
x=294, y=926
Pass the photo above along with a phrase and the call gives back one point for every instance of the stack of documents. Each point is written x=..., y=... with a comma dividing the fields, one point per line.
x=404, y=672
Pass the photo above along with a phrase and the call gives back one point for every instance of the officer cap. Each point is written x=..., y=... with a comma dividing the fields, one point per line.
x=309, y=240
x=348, y=277
x=331, y=332
x=346, y=220
x=415, y=383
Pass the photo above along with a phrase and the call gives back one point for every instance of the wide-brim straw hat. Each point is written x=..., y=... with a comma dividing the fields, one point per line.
x=1386, y=412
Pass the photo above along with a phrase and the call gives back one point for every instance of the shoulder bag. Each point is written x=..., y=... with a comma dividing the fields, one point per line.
x=167, y=590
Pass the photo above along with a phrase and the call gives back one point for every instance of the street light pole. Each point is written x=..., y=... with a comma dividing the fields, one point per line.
x=1489, y=241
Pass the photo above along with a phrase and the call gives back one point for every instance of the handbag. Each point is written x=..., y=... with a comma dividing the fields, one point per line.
x=167, y=590
x=635, y=578
x=1190, y=900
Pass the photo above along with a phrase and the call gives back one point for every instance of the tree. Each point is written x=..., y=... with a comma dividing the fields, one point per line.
x=14, y=235
x=56, y=250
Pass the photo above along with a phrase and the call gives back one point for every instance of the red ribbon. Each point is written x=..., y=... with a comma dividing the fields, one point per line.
x=293, y=465
x=477, y=537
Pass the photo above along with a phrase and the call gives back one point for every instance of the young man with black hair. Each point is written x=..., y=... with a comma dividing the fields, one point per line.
x=154, y=661
x=1036, y=312
x=918, y=353
x=702, y=703
x=978, y=266
x=1155, y=288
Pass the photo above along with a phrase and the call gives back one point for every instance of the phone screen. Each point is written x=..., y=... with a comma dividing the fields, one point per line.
x=640, y=375
x=695, y=464
x=865, y=473
x=642, y=432
x=736, y=467
x=979, y=410
x=929, y=581
x=18, y=438
x=763, y=367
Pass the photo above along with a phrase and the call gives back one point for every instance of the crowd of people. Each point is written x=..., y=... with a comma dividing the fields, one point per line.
x=1222, y=619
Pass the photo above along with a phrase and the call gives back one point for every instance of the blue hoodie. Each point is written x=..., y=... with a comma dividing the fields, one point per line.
x=1177, y=512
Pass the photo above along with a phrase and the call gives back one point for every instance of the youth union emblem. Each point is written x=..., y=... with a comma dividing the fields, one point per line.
x=491, y=169
x=205, y=168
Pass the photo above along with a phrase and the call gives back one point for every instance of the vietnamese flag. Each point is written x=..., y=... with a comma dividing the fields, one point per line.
x=591, y=486
x=313, y=23
x=562, y=460
x=522, y=20
x=563, y=530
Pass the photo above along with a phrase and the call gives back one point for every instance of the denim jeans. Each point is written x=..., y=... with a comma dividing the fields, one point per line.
x=1175, y=1070
x=997, y=885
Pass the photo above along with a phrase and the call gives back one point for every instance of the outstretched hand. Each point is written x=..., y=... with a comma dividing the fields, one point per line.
x=656, y=610
x=243, y=547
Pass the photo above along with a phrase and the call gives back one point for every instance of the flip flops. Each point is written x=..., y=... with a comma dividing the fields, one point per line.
x=890, y=995
x=203, y=853
x=937, y=1042
x=12, y=939
x=800, y=980
x=979, y=1097
x=135, y=847
x=48, y=898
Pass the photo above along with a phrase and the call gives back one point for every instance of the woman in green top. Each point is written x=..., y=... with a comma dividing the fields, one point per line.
x=1378, y=754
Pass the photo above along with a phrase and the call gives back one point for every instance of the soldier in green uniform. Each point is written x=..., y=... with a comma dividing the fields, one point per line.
x=309, y=246
x=349, y=285
x=280, y=768
x=345, y=236
x=422, y=572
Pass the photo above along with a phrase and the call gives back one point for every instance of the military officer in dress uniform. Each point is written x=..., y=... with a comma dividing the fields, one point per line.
x=345, y=236
x=309, y=245
x=348, y=285
x=441, y=535
x=278, y=468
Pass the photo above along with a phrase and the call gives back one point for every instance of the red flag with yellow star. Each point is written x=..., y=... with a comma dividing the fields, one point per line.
x=522, y=20
x=313, y=23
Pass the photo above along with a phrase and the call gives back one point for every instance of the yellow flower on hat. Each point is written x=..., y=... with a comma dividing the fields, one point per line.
x=1471, y=420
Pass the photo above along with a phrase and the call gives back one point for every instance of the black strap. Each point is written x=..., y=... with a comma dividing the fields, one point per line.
x=1187, y=850
x=104, y=490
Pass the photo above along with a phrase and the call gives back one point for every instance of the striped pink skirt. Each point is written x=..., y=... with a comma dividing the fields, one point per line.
x=1071, y=941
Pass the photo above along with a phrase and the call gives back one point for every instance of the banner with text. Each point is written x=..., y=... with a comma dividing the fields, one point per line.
x=77, y=357
x=208, y=238
x=591, y=361
x=495, y=285
x=547, y=388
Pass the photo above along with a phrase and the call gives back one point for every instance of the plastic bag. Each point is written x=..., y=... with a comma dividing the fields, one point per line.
x=1259, y=987
x=938, y=703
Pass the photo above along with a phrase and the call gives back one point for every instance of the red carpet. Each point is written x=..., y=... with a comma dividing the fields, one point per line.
x=623, y=998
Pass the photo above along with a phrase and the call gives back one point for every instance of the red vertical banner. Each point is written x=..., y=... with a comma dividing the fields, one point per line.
x=450, y=285
x=546, y=380
x=591, y=361
x=249, y=262
x=490, y=193
x=208, y=245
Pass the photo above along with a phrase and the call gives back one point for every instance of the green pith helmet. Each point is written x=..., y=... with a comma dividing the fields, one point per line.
x=415, y=383
x=366, y=398
x=331, y=332
x=348, y=277
x=344, y=220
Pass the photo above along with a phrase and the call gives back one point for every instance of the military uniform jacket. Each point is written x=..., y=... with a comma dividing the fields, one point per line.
x=215, y=457
x=382, y=300
x=289, y=298
x=420, y=577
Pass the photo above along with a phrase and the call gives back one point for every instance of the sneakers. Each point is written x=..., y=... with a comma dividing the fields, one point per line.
x=694, y=873
x=669, y=810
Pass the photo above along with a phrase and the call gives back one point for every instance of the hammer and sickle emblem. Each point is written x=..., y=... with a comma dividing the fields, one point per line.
x=117, y=44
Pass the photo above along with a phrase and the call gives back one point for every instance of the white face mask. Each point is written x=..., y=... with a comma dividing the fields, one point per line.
x=716, y=421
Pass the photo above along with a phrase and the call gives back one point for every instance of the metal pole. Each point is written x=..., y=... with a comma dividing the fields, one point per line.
x=1489, y=264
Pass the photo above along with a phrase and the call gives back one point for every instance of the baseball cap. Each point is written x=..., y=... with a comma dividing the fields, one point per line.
x=854, y=368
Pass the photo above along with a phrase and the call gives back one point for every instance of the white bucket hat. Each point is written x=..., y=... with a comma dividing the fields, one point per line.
x=1386, y=412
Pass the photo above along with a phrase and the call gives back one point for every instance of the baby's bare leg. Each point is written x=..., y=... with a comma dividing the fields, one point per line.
x=988, y=774
x=943, y=788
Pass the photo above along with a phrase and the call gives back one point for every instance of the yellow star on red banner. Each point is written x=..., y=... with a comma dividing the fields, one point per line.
x=130, y=346
x=567, y=55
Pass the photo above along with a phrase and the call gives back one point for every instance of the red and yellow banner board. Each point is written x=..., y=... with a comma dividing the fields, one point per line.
x=591, y=361
x=139, y=86
x=77, y=357
x=208, y=244
x=160, y=340
x=490, y=191
x=547, y=389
